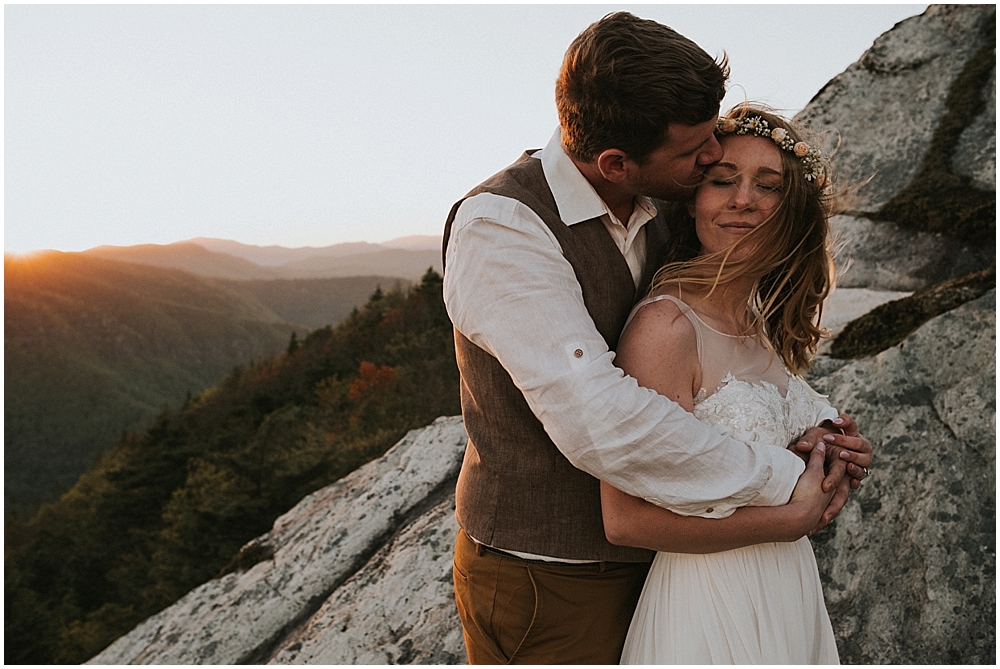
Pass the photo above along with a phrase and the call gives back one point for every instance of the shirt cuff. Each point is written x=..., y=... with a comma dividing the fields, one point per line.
x=786, y=468
x=826, y=412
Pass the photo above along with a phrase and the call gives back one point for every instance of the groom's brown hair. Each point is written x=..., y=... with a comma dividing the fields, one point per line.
x=623, y=79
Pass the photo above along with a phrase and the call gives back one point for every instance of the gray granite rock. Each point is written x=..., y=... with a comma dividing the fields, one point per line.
x=909, y=568
x=883, y=110
x=399, y=609
x=885, y=107
x=976, y=153
x=883, y=256
x=317, y=546
x=845, y=304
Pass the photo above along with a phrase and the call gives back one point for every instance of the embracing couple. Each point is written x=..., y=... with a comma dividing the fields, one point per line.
x=644, y=460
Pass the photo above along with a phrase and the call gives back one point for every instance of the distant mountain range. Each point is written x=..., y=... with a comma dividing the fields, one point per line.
x=407, y=258
x=98, y=342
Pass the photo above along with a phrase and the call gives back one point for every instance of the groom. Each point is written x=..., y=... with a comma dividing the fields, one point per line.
x=543, y=263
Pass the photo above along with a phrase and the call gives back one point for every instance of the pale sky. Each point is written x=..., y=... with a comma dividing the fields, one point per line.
x=311, y=125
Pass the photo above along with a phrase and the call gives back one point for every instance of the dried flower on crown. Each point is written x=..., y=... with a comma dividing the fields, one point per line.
x=810, y=157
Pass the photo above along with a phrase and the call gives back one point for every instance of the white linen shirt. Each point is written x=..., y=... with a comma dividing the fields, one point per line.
x=509, y=289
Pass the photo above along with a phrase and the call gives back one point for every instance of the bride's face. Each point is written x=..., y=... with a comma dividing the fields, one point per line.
x=739, y=193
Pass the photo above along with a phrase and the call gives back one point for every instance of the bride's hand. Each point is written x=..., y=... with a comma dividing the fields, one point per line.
x=809, y=501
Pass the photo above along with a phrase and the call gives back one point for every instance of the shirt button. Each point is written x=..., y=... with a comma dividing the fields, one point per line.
x=578, y=353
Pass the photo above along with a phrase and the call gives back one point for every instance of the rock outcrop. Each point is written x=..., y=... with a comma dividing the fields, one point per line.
x=399, y=609
x=902, y=117
x=909, y=567
x=360, y=571
x=887, y=106
x=324, y=548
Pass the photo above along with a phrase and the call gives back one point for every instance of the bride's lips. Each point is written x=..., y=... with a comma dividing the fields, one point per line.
x=737, y=228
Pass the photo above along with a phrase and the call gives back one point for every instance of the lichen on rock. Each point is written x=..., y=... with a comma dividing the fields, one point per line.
x=939, y=199
x=890, y=323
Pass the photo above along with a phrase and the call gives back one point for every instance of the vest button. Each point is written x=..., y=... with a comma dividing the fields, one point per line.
x=578, y=353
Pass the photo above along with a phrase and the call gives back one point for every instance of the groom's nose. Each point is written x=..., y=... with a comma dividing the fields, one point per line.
x=711, y=152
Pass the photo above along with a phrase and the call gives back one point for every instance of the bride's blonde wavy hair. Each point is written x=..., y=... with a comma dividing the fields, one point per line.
x=791, y=257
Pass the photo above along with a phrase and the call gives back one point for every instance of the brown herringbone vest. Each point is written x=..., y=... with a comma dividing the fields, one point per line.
x=516, y=491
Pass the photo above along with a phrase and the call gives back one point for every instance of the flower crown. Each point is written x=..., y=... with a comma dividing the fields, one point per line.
x=809, y=156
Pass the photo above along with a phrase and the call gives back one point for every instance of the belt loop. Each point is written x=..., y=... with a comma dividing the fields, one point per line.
x=603, y=567
x=480, y=549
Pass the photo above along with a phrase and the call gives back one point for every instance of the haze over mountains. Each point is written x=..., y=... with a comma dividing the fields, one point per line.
x=98, y=342
x=407, y=257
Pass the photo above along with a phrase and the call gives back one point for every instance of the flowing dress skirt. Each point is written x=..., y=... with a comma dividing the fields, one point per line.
x=761, y=604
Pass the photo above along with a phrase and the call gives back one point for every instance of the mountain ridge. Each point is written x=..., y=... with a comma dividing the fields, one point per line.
x=111, y=343
x=407, y=258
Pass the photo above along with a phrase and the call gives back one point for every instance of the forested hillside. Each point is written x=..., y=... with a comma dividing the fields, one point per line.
x=94, y=347
x=168, y=509
x=314, y=302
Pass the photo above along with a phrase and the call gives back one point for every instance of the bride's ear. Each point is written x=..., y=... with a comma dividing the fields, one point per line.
x=690, y=208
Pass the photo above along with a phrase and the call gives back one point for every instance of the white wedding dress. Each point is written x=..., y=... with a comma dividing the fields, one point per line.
x=762, y=604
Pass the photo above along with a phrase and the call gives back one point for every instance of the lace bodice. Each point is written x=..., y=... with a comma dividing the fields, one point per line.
x=750, y=411
x=746, y=391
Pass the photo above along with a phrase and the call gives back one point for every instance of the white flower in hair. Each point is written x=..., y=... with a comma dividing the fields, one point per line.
x=811, y=158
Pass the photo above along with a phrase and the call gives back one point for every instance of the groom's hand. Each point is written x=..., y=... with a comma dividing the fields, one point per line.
x=836, y=504
x=848, y=451
x=854, y=449
x=835, y=466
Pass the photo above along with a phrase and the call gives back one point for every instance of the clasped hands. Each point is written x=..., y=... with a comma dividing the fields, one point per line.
x=837, y=457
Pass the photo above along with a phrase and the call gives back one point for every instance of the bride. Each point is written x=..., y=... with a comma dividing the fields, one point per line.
x=730, y=323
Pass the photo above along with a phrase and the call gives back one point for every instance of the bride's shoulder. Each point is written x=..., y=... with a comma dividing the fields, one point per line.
x=660, y=349
x=661, y=318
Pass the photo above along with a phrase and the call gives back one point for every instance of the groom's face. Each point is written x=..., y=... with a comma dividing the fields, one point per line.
x=674, y=170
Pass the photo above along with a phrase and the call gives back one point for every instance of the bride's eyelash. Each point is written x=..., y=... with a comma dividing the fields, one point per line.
x=729, y=181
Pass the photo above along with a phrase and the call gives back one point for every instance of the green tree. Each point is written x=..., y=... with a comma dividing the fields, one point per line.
x=166, y=510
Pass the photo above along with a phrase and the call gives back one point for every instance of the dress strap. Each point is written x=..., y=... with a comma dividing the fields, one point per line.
x=722, y=355
x=688, y=312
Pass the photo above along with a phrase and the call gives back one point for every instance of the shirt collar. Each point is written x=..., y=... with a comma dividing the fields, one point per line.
x=576, y=200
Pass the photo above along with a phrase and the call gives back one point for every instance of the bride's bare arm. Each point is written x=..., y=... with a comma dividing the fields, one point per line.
x=630, y=521
x=659, y=350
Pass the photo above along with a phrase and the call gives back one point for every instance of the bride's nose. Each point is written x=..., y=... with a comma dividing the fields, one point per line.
x=743, y=196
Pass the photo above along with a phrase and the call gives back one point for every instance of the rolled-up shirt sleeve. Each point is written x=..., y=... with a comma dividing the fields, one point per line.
x=508, y=288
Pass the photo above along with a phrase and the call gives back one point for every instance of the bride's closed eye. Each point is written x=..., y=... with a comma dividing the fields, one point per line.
x=731, y=181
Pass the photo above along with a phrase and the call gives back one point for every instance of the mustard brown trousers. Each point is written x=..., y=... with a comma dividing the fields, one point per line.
x=517, y=611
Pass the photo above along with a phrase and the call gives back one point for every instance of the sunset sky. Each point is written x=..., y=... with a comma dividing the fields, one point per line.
x=310, y=125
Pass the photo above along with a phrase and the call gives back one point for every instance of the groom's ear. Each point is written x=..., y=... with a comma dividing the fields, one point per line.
x=613, y=165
